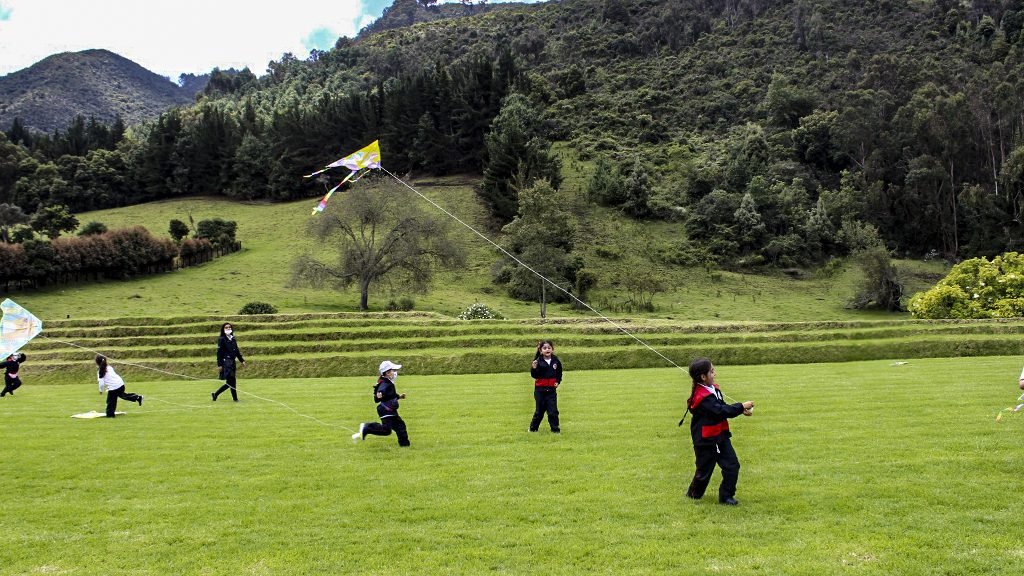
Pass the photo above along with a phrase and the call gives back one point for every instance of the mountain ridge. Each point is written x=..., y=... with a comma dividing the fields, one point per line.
x=91, y=83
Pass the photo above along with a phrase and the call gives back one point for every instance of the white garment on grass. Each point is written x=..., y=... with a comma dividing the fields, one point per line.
x=110, y=380
x=94, y=414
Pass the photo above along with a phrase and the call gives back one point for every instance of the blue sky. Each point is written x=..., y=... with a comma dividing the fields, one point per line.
x=184, y=36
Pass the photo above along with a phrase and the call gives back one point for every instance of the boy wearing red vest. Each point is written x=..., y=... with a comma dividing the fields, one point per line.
x=709, y=429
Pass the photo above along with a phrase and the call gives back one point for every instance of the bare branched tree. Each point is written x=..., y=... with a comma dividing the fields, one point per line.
x=377, y=233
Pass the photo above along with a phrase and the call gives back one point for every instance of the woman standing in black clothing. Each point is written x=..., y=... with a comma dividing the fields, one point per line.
x=546, y=371
x=227, y=351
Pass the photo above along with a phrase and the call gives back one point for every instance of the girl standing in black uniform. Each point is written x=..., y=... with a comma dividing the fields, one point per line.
x=709, y=429
x=11, y=380
x=227, y=351
x=546, y=371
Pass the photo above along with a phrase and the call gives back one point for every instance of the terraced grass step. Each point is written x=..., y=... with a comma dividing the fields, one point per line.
x=411, y=321
x=279, y=343
x=78, y=366
x=328, y=345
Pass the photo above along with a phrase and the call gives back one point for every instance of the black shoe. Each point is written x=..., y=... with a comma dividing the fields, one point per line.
x=730, y=501
x=213, y=396
x=140, y=399
x=693, y=496
x=530, y=430
x=556, y=431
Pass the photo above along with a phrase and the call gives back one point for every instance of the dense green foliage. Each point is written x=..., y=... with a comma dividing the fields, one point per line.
x=93, y=228
x=882, y=287
x=517, y=156
x=258, y=308
x=218, y=231
x=541, y=235
x=53, y=220
x=177, y=229
x=767, y=125
x=976, y=288
x=615, y=248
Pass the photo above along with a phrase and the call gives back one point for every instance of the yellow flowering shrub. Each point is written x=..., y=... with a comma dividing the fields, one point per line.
x=976, y=288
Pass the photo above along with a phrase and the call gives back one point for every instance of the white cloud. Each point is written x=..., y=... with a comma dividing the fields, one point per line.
x=170, y=38
x=185, y=36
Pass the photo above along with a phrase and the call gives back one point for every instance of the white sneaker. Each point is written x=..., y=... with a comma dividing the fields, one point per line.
x=359, y=435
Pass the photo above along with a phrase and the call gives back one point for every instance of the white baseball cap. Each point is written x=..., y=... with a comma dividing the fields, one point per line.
x=388, y=365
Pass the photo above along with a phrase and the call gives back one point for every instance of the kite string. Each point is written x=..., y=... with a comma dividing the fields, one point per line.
x=188, y=377
x=541, y=276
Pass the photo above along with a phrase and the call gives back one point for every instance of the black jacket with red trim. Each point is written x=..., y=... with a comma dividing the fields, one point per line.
x=710, y=422
x=547, y=375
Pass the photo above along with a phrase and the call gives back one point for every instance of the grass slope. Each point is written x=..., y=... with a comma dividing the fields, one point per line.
x=273, y=235
x=862, y=468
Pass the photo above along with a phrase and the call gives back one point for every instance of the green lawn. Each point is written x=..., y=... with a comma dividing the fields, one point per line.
x=853, y=468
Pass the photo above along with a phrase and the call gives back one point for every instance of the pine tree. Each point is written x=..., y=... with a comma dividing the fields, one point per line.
x=517, y=153
x=637, y=191
x=750, y=229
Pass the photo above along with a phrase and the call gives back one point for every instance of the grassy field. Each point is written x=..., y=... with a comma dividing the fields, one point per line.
x=860, y=467
x=853, y=468
x=273, y=235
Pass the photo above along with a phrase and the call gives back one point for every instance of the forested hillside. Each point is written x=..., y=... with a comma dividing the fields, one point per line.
x=782, y=132
x=92, y=83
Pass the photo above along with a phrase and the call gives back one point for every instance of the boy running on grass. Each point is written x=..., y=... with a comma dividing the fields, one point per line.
x=386, y=397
